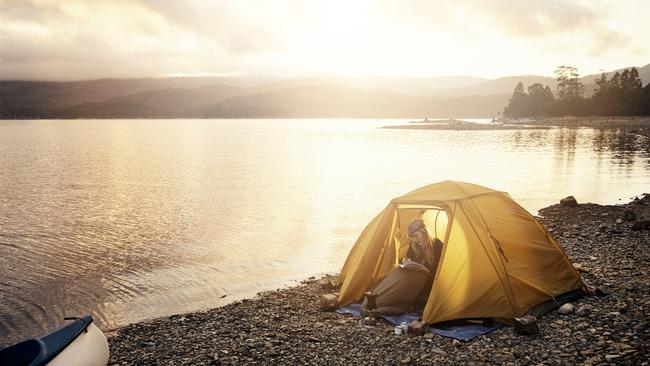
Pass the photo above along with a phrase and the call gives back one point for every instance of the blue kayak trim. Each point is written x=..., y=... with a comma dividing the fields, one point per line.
x=40, y=351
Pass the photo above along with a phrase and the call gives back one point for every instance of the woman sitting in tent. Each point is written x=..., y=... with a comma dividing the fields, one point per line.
x=409, y=284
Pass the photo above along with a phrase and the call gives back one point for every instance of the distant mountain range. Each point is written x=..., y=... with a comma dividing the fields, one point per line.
x=259, y=97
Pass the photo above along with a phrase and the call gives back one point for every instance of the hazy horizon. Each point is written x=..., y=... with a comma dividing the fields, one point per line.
x=271, y=78
x=75, y=40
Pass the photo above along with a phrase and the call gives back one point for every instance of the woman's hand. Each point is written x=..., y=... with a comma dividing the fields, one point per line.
x=407, y=263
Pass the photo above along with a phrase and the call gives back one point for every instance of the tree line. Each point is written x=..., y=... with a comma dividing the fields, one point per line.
x=621, y=95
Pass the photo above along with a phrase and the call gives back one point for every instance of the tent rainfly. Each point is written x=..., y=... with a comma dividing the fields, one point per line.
x=497, y=261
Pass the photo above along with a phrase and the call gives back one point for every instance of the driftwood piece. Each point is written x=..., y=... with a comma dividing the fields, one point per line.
x=526, y=325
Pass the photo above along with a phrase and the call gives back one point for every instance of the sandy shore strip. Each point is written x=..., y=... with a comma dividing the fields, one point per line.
x=638, y=125
x=285, y=326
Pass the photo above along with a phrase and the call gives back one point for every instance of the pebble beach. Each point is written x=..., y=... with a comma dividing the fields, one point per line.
x=608, y=244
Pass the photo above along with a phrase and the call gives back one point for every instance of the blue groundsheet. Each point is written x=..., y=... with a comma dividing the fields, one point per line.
x=463, y=332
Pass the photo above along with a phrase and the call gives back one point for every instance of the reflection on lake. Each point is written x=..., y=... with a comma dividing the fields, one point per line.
x=130, y=220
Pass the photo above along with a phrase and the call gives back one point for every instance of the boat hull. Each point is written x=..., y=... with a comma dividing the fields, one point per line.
x=78, y=343
x=89, y=348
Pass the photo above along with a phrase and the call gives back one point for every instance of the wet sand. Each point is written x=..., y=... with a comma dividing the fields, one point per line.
x=285, y=326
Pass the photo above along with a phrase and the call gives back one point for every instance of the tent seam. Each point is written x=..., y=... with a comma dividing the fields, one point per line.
x=509, y=290
x=402, y=200
x=508, y=295
x=450, y=217
x=382, y=255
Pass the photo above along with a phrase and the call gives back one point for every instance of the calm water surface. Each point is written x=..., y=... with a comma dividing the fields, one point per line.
x=136, y=219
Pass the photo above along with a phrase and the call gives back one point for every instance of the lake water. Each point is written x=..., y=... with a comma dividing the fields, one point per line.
x=136, y=219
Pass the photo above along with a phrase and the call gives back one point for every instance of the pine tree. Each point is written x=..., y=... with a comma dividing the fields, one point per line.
x=625, y=80
x=602, y=84
x=540, y=100
x=615, y=83
x=635, y=80
x=518, y=103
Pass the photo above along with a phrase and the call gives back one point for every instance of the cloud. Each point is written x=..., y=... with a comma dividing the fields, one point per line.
x=536, y=18
x=604, y=41
x=28, y=9
x=73, y=39
x=116, y=38
x=239, y=29
x=547, y=18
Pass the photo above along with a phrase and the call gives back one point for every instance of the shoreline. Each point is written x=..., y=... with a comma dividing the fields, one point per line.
x=636, y=124
x=287, y=326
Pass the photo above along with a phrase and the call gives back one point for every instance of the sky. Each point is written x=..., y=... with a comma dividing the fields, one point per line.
x=89, y=39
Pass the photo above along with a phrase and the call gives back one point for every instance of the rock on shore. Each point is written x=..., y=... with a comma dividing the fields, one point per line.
x=286, y=326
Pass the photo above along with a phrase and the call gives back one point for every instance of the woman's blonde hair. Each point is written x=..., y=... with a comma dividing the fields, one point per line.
x=416, y=225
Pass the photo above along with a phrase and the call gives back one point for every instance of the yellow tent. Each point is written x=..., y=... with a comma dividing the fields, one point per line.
x=497, y=260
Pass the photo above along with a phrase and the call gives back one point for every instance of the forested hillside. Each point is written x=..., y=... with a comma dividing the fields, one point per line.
x=370, y=97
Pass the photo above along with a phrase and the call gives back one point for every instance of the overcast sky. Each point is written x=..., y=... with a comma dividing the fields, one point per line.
x=71, y=40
